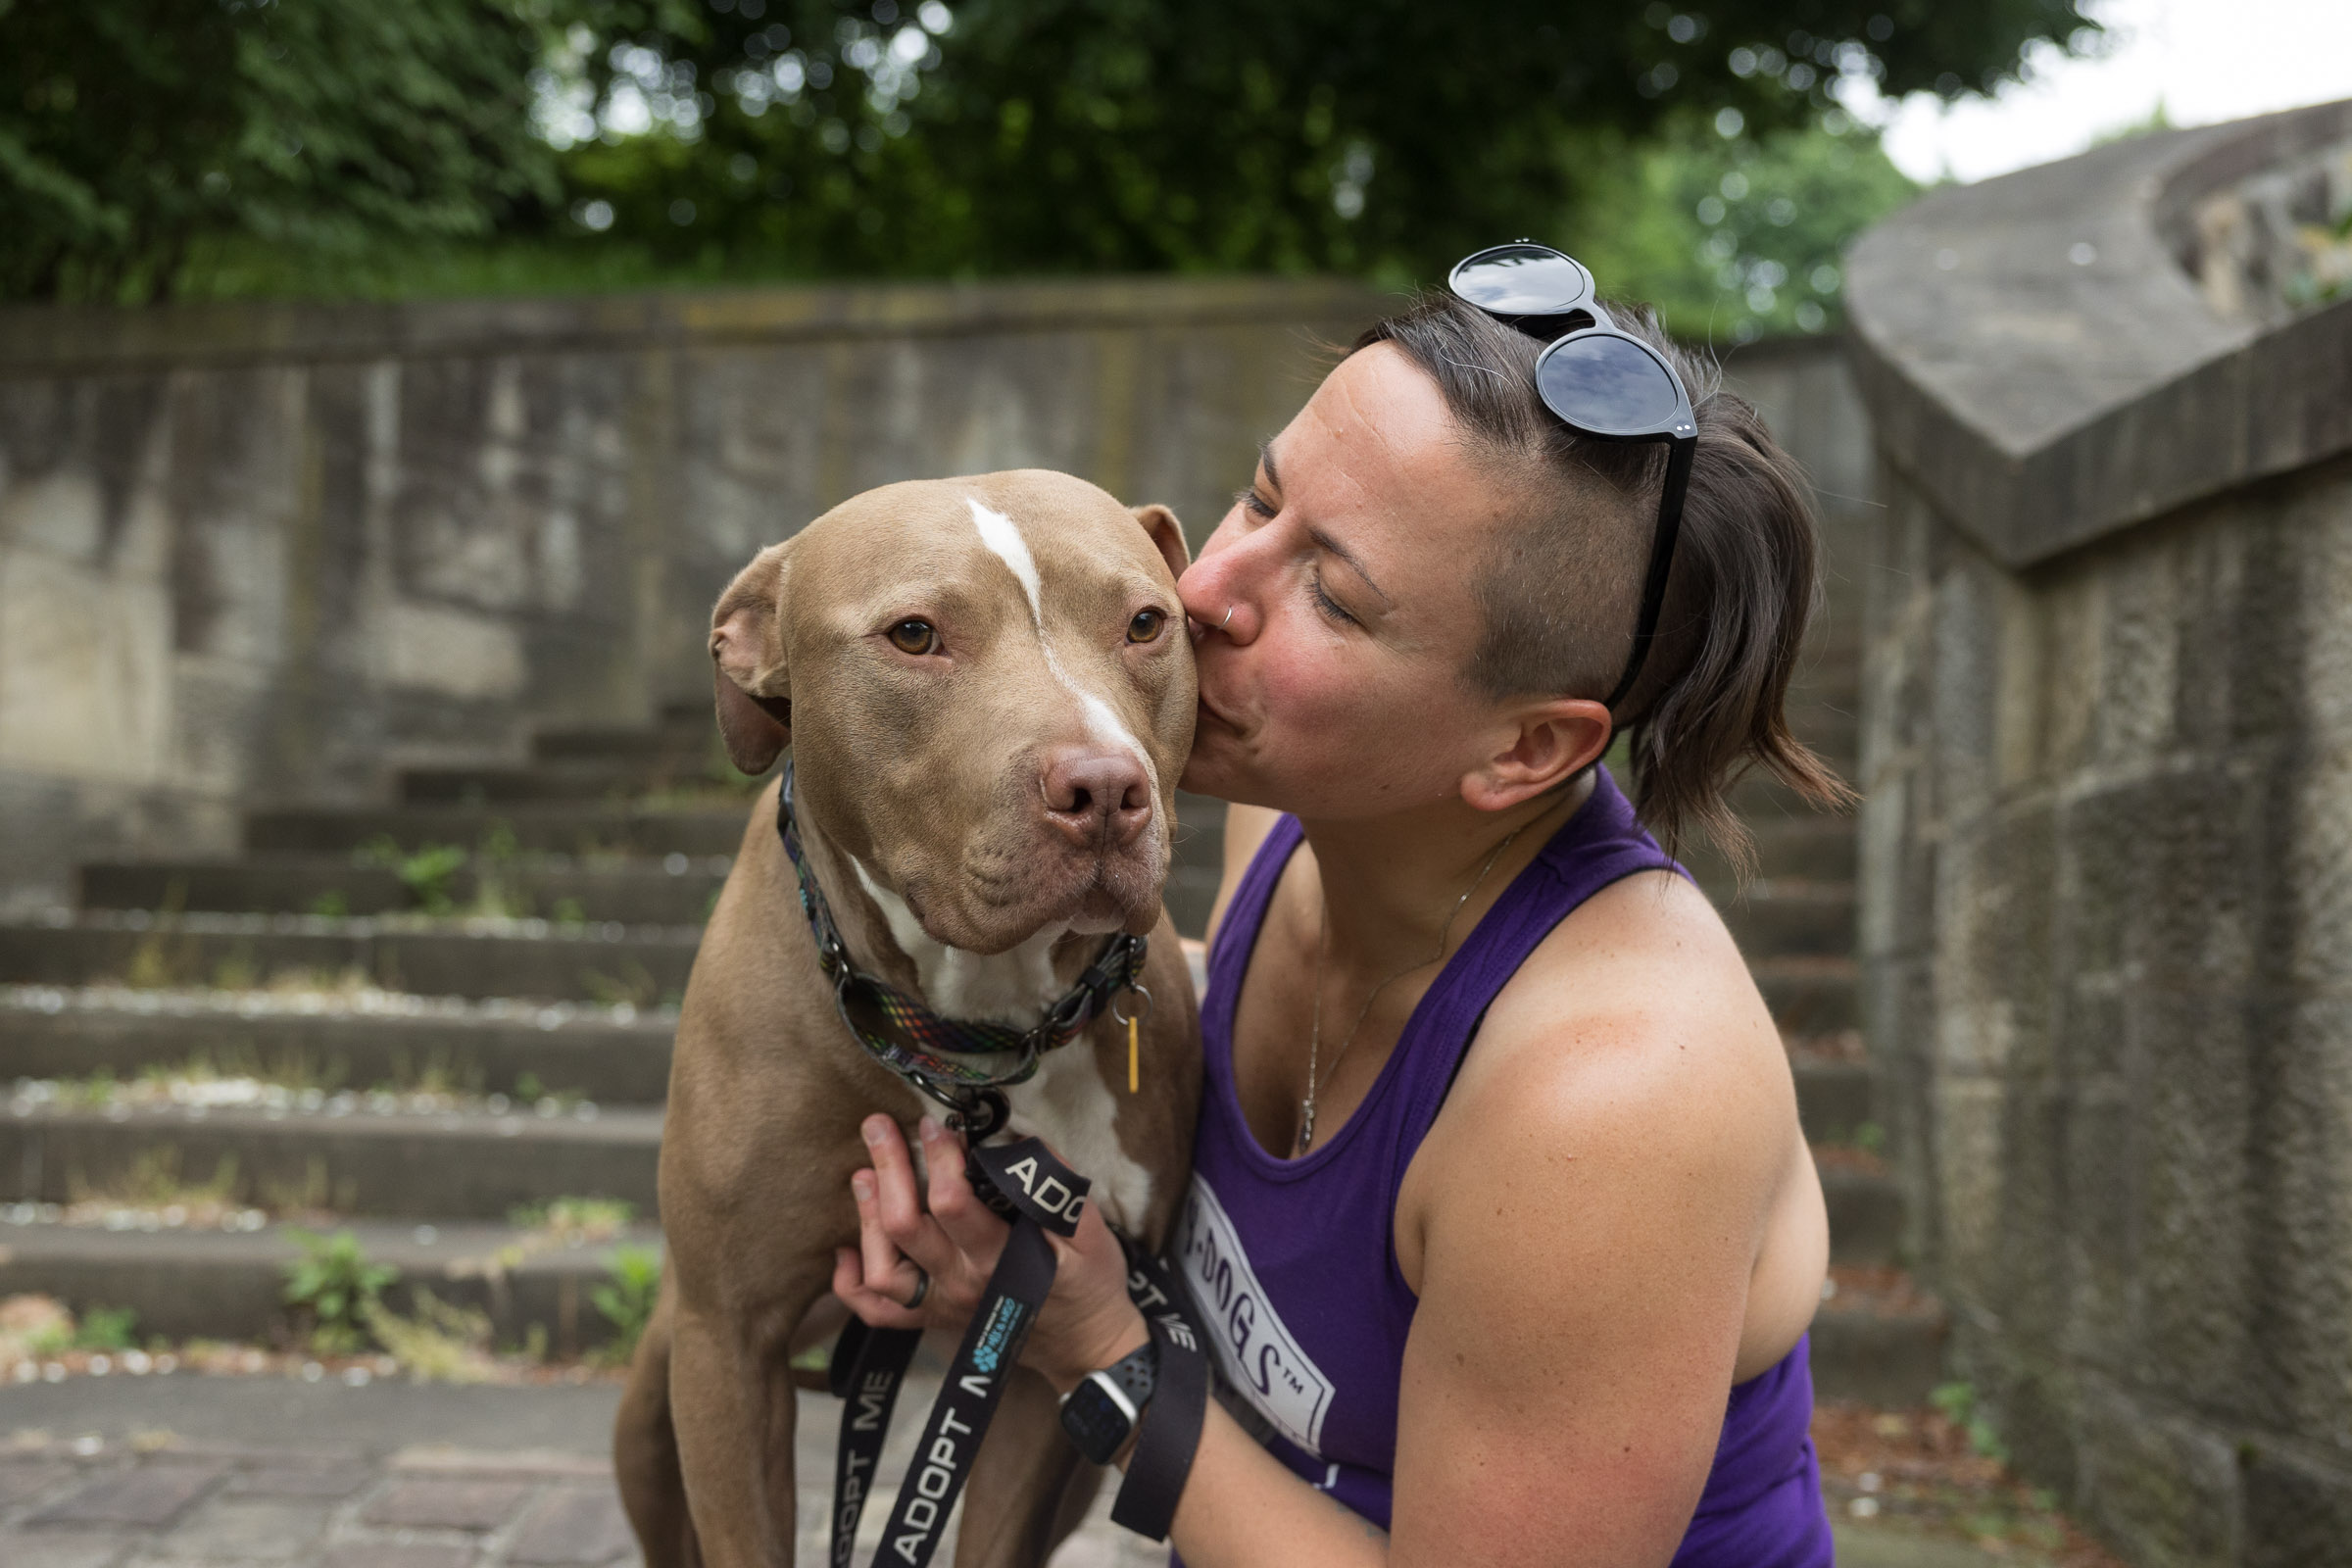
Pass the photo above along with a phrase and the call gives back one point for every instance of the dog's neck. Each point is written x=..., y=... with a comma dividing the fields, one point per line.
x=886, y=939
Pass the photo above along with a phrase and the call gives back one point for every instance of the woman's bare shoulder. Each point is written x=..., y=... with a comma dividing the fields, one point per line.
x=1634, y=1027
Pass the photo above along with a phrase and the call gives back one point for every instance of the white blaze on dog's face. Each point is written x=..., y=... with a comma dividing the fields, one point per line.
x=989, y=694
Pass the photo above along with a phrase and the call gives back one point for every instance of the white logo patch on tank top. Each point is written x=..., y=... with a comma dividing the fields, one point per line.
x=1256, y=1350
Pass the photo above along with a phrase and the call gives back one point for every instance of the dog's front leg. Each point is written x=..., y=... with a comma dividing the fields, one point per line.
x=1015, y=1511
x=734, y=1406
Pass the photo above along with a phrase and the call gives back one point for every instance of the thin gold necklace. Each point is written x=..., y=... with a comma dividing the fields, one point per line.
x=1314, y=1039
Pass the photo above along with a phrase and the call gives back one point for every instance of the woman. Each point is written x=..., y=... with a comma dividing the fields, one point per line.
x=1497, y=1137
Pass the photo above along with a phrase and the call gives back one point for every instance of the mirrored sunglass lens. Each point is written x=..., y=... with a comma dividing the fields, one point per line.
x=1605, y=384
x=1521, y=281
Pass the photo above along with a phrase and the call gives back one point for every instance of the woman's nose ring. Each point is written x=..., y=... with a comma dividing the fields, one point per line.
x=1228, y=620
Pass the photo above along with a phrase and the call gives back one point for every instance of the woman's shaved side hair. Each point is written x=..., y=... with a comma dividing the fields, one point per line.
x=1561, y=589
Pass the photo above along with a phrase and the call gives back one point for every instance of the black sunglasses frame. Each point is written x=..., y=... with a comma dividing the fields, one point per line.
x=1582, y=316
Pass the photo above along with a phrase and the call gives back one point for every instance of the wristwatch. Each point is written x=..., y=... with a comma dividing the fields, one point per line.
x=1101, y=1414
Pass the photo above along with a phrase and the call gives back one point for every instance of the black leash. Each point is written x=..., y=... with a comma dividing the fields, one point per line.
x=1025, y=1184
x=1037, y=1193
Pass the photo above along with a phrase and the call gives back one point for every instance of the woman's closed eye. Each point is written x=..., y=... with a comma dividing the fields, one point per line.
x=1257, y=506
x=1327, y=606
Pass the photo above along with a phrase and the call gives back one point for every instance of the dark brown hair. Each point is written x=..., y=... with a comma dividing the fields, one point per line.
x=1561, y=590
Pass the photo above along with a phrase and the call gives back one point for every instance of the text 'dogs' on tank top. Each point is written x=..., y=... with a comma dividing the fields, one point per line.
x=1293, y=1265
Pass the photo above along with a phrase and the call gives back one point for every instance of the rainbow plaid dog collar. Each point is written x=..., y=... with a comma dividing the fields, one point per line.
x=904, y=1035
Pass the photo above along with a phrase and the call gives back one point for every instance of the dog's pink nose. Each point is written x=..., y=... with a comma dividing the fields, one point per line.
x=1101, y=799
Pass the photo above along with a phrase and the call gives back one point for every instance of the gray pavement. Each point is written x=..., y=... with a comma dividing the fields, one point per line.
x=273, y=1472
x=269, y=1472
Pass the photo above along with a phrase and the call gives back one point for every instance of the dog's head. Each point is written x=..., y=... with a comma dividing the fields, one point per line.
x=988, y=692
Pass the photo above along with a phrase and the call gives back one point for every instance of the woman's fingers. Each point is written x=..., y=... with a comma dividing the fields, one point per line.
x=967, y=1221
x=890, y=1213
x=873, y=1307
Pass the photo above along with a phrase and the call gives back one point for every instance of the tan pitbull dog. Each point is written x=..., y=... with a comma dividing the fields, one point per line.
x=989, y=696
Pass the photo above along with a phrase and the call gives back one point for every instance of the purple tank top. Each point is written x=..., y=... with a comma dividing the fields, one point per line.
x=1294, y=1261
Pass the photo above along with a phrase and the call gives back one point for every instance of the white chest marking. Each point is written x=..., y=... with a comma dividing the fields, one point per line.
x=1002, y=536
x=1069, y=1105
x=1011, y=988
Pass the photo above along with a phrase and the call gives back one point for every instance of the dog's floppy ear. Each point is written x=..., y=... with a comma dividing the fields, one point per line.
x=1168, y=534
x=749, y=678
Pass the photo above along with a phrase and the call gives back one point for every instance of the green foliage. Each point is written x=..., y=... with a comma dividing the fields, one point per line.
x=149, y=147
x=1382, y=137
x=133, y=130
x=107, y=1328
x=1957, y=1401
x=1735, y=238
x=337, y=1287
x=627, y=1300
x=426, y=873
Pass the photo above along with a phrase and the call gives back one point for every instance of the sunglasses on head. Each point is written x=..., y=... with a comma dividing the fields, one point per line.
x=1599, y=381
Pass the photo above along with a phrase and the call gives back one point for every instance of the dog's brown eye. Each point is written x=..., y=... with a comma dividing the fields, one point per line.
x=914, y=637
x=1146, y=627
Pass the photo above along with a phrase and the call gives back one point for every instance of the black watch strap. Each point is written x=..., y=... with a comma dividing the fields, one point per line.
x=1137, y=1374
x=1101, y=1413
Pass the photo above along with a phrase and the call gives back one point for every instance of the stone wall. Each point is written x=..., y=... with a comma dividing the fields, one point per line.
x=2107, y=838
x=261, y=553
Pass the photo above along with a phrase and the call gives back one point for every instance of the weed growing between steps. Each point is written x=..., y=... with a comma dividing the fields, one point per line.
x=1937, y=1473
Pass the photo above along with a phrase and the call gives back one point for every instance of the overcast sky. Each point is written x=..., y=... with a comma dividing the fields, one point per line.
x=2204, y=60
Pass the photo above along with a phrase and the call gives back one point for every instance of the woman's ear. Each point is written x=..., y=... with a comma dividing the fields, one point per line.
x=1168, y=534
x=1550, y=742
x=748, y=676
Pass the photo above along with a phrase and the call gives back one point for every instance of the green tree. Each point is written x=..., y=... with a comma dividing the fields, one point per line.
x=132, y=132
x=1373, y=136
x=1735, y=237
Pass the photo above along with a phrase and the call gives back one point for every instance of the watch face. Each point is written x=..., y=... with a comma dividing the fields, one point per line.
x=1096, y=1423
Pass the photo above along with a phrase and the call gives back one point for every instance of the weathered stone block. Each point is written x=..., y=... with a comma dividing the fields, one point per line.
x=247, y=1530
x=2297, y=1514
x=146, y=1496
x=573, y=1525
x=437, y=1504
x=2164, y=1493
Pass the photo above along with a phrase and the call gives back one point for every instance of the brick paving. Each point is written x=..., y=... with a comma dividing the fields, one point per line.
x=123, y=1496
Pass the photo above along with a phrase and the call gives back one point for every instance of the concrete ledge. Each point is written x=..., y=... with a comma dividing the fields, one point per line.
x=2040, y=365
x=45, y=340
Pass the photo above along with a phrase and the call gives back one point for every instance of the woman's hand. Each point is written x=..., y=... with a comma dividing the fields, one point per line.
x=1087, y=1321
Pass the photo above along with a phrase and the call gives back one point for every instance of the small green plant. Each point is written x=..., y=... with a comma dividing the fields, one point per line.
x=1870, y=1138
x=427, y=875
x=1957, y=1401
x=570, y=912
x=527, y=1086
x=633, y=987
x=581, y=1219
x=332, y=905
x=627, y=1300
x=107, y=1328
x=333, y=1282
x=443, y=1343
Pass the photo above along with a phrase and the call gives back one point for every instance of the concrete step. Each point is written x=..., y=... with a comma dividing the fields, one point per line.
x=696, y=737
x=1812, y=847
x=1790, y=918
x=1199, y=832
x=464, y=1163
x=590, y=831
x=1866, y=1215
x=1835, y=1099
x=1809, y=995
x=1877, y=1339
x=595, y=778
x=642, y=965
x=231, y=1285
x=673, y=890
x=614, y=1055
x=1191, y=893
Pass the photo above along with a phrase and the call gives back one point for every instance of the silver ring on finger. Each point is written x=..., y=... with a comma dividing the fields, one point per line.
x=922, y=1288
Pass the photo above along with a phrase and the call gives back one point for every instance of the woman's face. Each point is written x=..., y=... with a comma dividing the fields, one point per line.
x=1336, y=609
